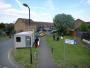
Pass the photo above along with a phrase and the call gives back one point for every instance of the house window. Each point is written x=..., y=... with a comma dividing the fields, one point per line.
x=18, y=39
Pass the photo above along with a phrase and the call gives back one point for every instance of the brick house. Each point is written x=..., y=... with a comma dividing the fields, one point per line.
x=78, y=22
x=23, y=25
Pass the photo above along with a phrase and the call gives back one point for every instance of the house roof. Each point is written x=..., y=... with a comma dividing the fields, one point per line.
x=78, y=23
x=26, y=21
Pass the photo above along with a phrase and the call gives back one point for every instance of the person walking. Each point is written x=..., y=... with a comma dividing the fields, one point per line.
x=36, y=42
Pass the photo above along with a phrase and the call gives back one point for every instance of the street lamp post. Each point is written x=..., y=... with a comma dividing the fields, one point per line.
x=29, y=28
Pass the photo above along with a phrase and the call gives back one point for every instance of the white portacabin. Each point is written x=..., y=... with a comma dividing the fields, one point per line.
x=24, y=39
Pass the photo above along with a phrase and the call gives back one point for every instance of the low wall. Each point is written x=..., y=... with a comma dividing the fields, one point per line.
x=86, y=41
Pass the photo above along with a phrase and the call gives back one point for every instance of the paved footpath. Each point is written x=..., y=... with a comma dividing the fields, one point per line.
x=45, y=58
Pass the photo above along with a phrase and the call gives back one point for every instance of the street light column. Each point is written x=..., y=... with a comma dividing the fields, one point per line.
x=29, y=29
x=30, y=46
x=29, y=17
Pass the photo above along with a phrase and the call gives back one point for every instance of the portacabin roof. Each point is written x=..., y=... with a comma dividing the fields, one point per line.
x=27, y=33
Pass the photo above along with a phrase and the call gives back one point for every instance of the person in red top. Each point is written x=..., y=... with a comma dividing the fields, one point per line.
x=36, y=42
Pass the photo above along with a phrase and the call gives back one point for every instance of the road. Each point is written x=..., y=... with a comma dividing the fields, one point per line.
x=5, y=48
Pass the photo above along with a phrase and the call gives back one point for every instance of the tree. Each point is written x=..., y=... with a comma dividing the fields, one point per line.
x=89, y=26
x=62, y=22
x=84, y=27
x=2, y=26
x=10, y=27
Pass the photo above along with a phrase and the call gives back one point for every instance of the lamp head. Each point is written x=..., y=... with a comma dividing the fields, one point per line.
x=25, y=5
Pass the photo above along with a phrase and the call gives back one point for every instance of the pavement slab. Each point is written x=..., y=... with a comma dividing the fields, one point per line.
x=45, y=59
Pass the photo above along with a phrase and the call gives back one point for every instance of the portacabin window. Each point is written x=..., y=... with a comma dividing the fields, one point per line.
x=18, y=39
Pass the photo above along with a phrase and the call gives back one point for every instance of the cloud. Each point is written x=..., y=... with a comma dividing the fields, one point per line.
x=46, y=17
x=49, y=4
x=47, y=14
x=85, y=2
x=79, y=14
x=88, y=1
x=38, y=16
x=12, y=11
x=8, y=12
x=18, y=2
x=4, y=6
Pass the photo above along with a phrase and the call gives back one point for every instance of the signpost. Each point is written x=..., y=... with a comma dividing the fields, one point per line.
x=66, y=42
x=69, y=41
x=64, y=54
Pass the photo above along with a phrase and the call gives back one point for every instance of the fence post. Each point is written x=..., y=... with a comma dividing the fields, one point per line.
x=52, y=50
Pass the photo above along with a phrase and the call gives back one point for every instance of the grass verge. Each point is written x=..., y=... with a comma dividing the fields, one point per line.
x=22, y=56
x=2, y=38
x=69, y=56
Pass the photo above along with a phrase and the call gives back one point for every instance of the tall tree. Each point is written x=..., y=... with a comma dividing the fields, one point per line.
x=10, y=27
x=2, y=26
x=62, y=22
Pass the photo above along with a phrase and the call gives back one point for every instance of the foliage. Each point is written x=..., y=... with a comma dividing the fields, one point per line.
x=7, y=28
x=89, y=26
x=2, y=26
x=10, y=27
x=84, y=27
x=63, y=22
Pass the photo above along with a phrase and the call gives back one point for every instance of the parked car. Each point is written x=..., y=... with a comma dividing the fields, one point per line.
x=42, y=34
x=53, y=31
x=85, y=35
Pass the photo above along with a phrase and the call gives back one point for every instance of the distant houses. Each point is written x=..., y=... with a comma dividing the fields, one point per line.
x=23, y=25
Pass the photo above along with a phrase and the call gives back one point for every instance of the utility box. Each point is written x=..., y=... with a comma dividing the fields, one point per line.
x=24, y=39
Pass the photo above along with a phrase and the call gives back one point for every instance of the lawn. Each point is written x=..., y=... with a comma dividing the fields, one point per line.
x=22, y=56
x=69, y=56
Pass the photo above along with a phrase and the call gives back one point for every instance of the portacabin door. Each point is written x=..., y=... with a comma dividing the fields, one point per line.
x=28, y=41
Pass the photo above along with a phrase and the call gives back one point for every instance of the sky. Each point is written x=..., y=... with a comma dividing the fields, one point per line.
x=43, y=10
